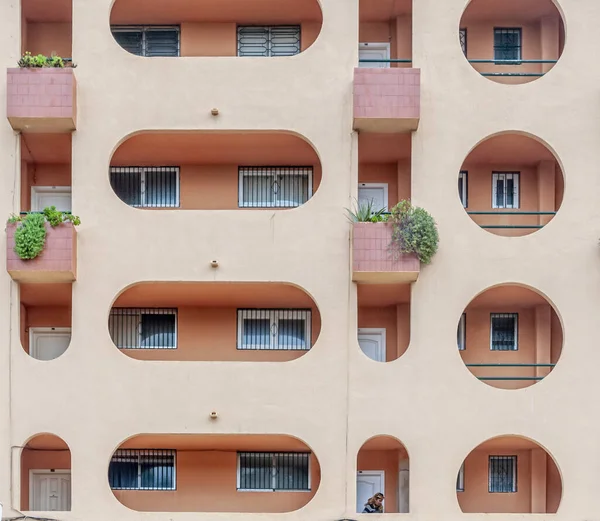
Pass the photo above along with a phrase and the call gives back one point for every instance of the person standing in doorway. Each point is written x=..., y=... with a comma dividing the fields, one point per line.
x=374, y=505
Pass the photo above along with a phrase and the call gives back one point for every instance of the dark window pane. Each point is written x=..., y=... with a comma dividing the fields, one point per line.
x=162, y=42
x=131, y=40
x=127, y=184
x=158, y=330
x=123, y=473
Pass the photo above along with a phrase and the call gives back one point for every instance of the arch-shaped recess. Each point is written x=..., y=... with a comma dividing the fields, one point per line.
x=46, y=474
x=383, y=313
x=510, y=336
x=45, y=319
x=195, y=170
x=509, y=475
x=216, y=27
x=383, y=466
x=214, y=473
x=511, y=184
x=214, y=321
x=513, y=41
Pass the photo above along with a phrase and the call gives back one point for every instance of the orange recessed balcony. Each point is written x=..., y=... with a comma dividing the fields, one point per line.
x=387, y=99
x=374, y=262
x=56, y=263
x=42, y=100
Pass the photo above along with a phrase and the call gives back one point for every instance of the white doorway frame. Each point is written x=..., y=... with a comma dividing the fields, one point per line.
x=375, y=331
x=378, y=185
x=43, y=472
x=33, y=331
x=380, y=473
x=376, y=46
x=36, y=191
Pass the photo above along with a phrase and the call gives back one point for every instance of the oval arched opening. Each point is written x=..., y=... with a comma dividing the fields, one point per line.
x=45, y=319
x=382, y=469
x=511, y=184
x=514, y=41
x=46, y=474
x=213, y=321
x=261, y=28
x=215, y=170
x=510, y=337
x=249, y=473
x=509, y=475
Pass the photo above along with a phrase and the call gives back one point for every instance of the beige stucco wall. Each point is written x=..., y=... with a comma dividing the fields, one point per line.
x=93, y=397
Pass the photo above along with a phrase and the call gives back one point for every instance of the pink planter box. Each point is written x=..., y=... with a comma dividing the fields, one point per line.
x=372, y=260
x=57, y=263
x=387, y=100
x=42, y=100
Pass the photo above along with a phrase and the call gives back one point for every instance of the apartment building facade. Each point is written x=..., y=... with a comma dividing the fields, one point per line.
x=217, y=339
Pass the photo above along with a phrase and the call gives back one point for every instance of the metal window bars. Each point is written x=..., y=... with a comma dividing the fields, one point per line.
x=461, y=333
x=462, y=35
x=274, y=329
x=268, y=40
x=143, y=328
x=146, y=187
x=148, y=40
x=507, y=44
x=504, y=331
x=536, y=368
x=275, y=471
x=274, y=187
x=505, y=189
x=460, y=479
x=502, y=477
x=463, y=187
x=142, y=469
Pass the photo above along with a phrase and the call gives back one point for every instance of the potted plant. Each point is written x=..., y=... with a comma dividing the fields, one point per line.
x=31, y=230
x=39, y=61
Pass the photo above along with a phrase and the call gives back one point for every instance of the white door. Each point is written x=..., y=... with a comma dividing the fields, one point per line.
x=372, y=343
x=50, y=491
x=374, y=51
x=48, y=343
x=377, y=193
x=44, y=196
x=368, y=483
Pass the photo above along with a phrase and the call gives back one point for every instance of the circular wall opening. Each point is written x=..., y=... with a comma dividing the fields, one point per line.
x=511, y=184
x=509, y=475
x=510, y=337
x=513, y=41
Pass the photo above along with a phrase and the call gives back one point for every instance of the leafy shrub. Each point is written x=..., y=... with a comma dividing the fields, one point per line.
x=365, y=212
x=30, y=235
x=38, y=61
x=414, y=231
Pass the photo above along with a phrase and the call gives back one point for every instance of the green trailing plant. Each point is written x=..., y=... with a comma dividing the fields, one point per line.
x=38, y=61
x=366, y=212
x=30, y=235
x=414, y=231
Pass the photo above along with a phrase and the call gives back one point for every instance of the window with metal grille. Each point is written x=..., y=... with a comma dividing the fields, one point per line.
x=462, y=34
x=143, y=328
x=273, y=471
x=504, y=332
x=502, y=475
x=461, y=333
x=148, y=40
x=507, y=44
x=147, y=469
x=146, y=187
x=268, y=40
x=274, y=187
x=505, y=189
x=460, y=479
x=276, y=329
x=463, y=187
